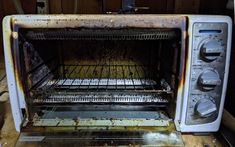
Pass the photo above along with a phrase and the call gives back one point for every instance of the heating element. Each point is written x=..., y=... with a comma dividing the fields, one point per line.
x=101, y=34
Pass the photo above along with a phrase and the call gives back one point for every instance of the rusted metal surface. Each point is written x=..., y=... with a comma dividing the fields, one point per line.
x=99, y=21
x=87, y=21
x=102, y=122
x=30, y=128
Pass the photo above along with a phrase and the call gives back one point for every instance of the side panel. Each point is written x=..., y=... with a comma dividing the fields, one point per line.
x=185, y=122
x=10, y=70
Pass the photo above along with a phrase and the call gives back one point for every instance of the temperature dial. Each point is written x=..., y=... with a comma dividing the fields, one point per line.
x=210, y=50
x=209, y=79
x=205, y=107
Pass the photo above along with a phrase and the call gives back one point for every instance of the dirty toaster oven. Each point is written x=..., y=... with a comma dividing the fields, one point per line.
x=117, y=73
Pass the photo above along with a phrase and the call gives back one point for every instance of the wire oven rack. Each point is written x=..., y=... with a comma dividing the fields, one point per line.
x=103, y=83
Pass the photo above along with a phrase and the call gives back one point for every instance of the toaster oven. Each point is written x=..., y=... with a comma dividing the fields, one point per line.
x=117, y=73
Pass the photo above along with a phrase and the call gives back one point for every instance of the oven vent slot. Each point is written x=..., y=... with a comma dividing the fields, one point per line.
x=101, y=34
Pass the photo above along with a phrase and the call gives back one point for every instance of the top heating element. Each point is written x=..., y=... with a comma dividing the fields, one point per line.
x=101, y=34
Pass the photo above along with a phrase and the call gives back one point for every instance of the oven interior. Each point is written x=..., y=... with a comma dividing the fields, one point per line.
x=99, y=77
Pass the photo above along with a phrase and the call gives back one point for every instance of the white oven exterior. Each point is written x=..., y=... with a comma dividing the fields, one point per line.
x=58, y=21
x=180, y=119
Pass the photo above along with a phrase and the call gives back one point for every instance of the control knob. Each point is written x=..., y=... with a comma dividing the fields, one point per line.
x=205, y=107
x=210, y=50
x=209, y=79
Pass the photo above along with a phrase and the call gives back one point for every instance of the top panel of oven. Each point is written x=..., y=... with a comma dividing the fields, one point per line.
x=149, y=21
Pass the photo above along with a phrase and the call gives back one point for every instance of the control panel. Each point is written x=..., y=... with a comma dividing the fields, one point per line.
x=207, y=71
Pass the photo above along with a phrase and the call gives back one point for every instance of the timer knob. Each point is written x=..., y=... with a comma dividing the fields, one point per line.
x=205, y=107
x=209, y=79
x=210, y=50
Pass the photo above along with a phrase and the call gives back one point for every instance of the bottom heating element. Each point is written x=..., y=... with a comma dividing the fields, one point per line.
x=101, y=97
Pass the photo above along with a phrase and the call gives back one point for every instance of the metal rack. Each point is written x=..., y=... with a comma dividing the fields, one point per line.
x=106, y=77
x=103, y=83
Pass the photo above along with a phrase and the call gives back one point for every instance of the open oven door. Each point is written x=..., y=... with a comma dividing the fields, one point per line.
x=136, y=137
